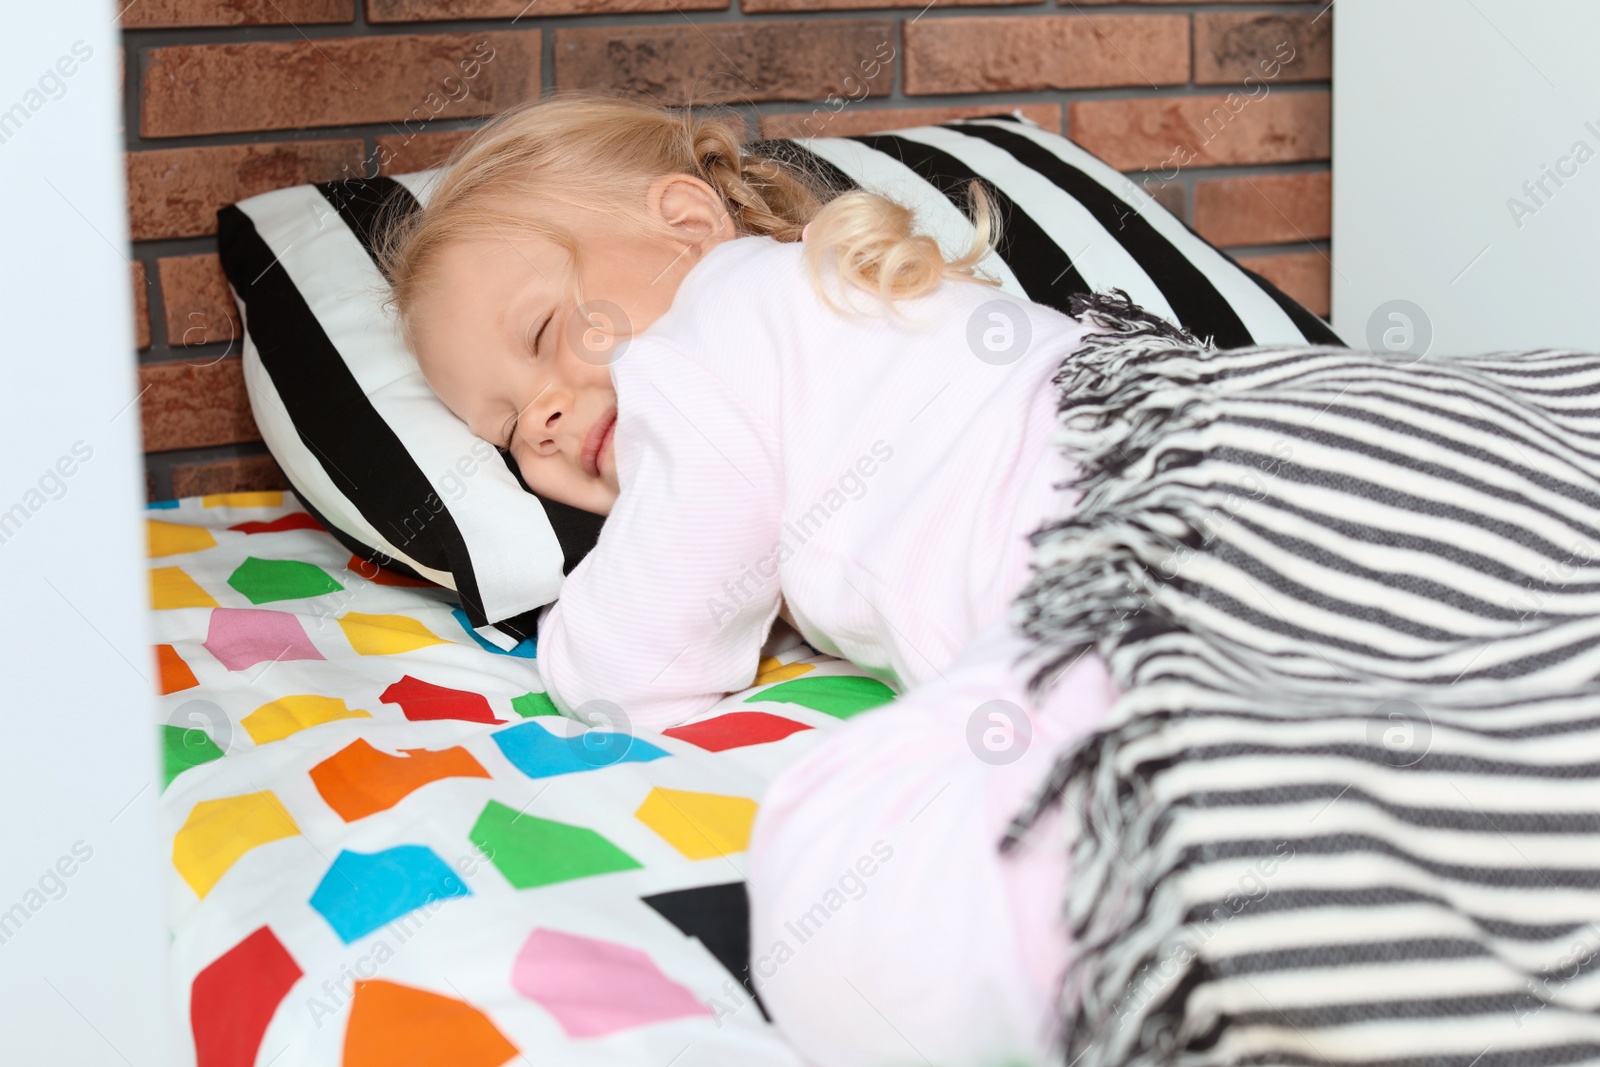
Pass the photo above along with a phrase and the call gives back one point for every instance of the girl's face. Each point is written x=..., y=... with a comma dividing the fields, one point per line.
x=502, y=339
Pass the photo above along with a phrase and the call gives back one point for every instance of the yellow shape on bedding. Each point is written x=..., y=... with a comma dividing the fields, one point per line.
x=386, y=635
x=171, y=587
x=218, y=832
x=769, y=670
x=289, y=715
x=172, y=538
x=270, y=498
x=699, y=825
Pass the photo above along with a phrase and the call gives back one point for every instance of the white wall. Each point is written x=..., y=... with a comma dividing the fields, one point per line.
x=82, y=930
x=1443, y=110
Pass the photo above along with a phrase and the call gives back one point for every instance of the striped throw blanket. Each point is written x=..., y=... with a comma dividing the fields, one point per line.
x=1347, y=810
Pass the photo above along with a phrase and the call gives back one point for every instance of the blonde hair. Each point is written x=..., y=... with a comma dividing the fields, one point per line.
x=600, y=153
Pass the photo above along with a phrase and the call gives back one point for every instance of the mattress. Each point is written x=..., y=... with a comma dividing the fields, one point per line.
x=387, y=848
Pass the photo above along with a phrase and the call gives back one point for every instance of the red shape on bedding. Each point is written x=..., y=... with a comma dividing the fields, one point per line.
x=234, y=998
x=295, y=520
x=382, y=575
x=358, y=780
x=423, y=700
x=174, y=674
x=738, y=729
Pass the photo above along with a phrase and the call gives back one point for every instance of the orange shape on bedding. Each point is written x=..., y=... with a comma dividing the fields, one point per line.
x=393, y=1025
x=174, y=674
x=358, y=780
x=769, y=670
x=171, y=587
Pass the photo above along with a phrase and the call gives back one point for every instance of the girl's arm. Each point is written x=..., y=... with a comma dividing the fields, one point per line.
x=669, y=610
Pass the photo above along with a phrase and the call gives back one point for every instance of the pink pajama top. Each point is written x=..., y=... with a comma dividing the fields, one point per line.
x=881, y=473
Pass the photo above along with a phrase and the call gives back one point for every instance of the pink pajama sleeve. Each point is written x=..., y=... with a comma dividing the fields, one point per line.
x=646, y=628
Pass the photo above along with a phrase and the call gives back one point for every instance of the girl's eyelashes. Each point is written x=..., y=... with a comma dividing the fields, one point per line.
x=534, y=347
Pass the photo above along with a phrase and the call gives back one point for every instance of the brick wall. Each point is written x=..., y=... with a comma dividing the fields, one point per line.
x=229, y=98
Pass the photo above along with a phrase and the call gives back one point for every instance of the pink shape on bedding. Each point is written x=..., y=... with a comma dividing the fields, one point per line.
x=595, y=987
x=234, y=998
x=424, y=700
x=243, y=637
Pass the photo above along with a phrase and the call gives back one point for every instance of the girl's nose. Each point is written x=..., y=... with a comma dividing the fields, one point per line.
x=542, y=419
x=541, y=434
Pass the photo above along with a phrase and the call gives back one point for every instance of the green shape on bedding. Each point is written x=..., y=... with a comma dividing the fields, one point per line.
x=532, y=852
x=839, y=695
x=183, y=747
x=266, y=580
x=529, y=705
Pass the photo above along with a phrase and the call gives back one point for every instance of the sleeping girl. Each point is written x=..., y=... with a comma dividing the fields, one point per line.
x=785, y=400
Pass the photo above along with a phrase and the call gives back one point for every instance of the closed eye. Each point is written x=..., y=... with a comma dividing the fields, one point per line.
x=534, y=346
x=533, y=349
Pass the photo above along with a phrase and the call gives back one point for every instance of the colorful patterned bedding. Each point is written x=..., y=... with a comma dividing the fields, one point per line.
x=387, y=849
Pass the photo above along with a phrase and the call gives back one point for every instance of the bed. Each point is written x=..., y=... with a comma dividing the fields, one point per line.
x=388, y=848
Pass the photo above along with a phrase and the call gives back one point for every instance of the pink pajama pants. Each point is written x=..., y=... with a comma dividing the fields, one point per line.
x=886, y=927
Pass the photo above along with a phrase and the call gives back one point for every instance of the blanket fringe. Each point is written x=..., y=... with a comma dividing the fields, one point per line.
x=1113, y=409
x=1128, y=397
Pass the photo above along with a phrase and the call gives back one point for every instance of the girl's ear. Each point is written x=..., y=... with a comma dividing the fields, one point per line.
x=689, y=207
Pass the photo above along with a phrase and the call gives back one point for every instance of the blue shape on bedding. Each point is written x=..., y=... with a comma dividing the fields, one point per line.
x=362, y=892
x=161, y=505
x=527, y=648
x=538, y=753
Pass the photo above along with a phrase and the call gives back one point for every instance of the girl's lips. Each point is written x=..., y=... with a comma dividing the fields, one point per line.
x=597, y=437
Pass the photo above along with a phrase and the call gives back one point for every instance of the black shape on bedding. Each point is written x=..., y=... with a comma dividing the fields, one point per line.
x=718, y=916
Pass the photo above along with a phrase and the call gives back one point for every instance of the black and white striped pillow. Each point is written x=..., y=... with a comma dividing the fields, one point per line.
x=384, y=465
